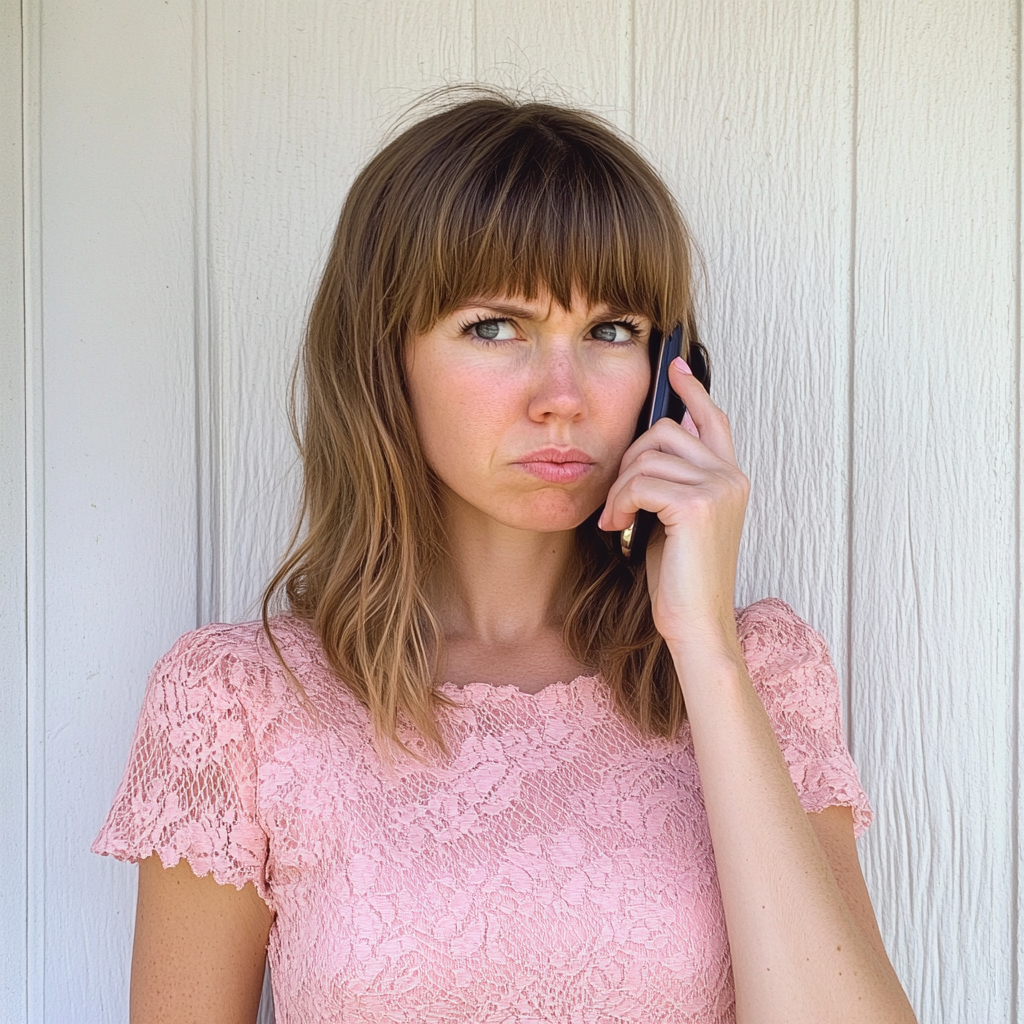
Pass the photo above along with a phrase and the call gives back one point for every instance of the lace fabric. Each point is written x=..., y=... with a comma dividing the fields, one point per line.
x=557, y=868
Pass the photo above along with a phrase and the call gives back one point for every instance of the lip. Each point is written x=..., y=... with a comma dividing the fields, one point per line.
x=554, y=454
x=557, y=465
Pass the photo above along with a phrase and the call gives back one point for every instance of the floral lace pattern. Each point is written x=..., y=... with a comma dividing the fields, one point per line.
x=557, y=868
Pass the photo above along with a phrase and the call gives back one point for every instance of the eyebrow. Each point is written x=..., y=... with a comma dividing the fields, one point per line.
x=522, y=313
x=500, y=307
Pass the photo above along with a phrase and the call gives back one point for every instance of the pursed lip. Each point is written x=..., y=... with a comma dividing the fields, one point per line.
x=554, y=454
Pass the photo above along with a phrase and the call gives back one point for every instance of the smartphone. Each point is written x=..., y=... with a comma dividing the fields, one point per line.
x=661, y=401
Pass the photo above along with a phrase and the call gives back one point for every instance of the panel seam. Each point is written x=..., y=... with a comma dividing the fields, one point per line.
x=206, y=361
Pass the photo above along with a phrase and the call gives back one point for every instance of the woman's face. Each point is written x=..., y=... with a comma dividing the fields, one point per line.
x=524, y=409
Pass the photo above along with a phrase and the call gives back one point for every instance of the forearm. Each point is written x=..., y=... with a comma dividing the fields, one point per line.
x=797, y=952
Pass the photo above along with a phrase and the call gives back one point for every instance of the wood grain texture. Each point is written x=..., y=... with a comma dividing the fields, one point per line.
x=119, y=452
x=933, y=588
x=562, y=52
x=301, y=96
x=747, y=107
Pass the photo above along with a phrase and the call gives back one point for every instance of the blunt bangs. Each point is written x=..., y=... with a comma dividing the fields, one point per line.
x=511, y=207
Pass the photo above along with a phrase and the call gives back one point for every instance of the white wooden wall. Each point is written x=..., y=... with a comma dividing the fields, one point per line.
x=852, y=172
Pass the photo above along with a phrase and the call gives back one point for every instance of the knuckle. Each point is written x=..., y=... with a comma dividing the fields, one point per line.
x=647, y=457
x=740, y=481
x=665, y=428
x=634, y=487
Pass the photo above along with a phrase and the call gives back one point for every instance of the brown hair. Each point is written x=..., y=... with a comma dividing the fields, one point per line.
x=487, y=197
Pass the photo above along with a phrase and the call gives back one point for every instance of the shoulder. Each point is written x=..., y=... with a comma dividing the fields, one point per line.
x=789, y=663
x=213, y=642
x=219, y=652
x=242, y=643
x=223, y=664
x=775, y=639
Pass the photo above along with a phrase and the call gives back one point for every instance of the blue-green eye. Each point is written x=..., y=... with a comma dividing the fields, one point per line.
x=615, y=332
x=492, y=329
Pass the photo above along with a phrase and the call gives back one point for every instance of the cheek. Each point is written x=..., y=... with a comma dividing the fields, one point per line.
x=458, y=414
x=623, y=397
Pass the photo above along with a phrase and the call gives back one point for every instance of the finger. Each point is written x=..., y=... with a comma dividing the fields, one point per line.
x=655, y=465
x=711, y=422
x=659, y=468
x=676, y=439
x=655, y=462
x=669, y=500
x=623, y=502
x=688, y=425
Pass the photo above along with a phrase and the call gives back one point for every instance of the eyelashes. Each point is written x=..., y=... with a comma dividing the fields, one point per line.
x=467, y=328
x=632, y=326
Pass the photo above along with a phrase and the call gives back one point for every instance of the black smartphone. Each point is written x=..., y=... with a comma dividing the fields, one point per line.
x=661, y=401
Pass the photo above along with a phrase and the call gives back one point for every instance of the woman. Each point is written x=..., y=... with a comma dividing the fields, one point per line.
x=483, y=769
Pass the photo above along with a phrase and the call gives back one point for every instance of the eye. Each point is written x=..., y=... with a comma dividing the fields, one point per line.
x=489, y=330
x=615, y=331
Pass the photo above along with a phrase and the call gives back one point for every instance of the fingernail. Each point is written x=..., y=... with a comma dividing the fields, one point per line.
x=681, y=365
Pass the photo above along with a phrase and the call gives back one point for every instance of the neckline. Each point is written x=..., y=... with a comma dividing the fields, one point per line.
x=510, y=691
x=505, y=690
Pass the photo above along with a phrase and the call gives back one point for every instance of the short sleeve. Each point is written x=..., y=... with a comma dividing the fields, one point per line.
x=190, y=787
x=792, y=671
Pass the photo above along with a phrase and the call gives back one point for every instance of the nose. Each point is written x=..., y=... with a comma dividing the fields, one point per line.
x=558, y=390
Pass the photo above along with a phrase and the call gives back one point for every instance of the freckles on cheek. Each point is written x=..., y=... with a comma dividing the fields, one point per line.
x=630, y=392
x=475, y=396
x=457, y=413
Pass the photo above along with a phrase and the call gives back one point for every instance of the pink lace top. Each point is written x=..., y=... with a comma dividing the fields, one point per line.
x=558, y=868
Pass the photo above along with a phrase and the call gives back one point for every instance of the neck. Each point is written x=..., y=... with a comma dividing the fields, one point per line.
x=502, y=585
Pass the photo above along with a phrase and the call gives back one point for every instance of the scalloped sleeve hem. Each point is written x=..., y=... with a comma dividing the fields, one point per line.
x=200, y=865
x=793, y=674
x=189, y=791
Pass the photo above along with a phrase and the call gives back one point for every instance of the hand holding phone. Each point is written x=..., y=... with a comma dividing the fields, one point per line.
x=661, y=401
x=686, y=476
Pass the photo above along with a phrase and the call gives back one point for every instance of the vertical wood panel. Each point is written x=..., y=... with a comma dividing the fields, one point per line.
x=120, y=549
x=35, y=524
x=301, y=96
x=747, y=108
x=568, y=53
x=13, y=520
x=933, y=591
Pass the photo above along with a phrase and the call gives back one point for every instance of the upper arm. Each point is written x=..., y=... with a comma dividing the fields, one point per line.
x=200, y=948
x=834, y=829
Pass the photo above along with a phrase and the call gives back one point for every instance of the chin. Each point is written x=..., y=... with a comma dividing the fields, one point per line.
x=551, y=517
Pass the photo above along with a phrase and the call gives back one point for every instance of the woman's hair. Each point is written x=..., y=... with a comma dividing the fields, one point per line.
x=487, y=197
